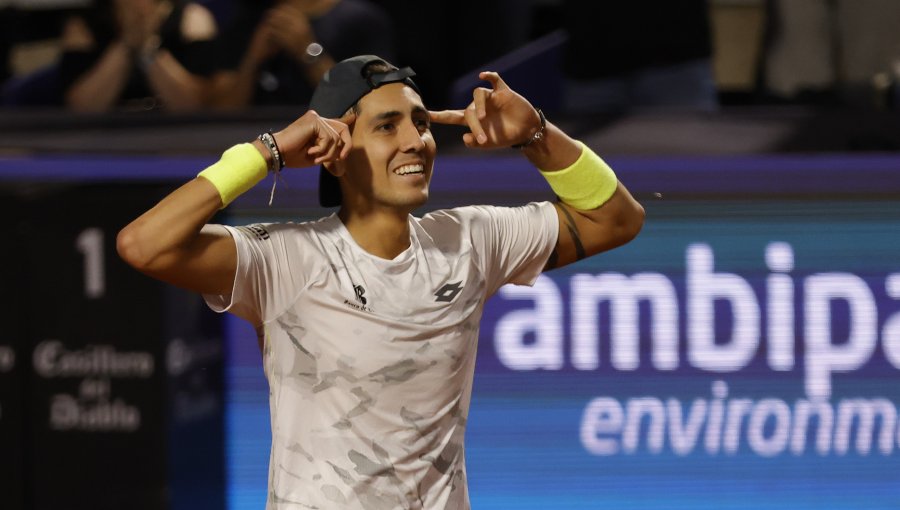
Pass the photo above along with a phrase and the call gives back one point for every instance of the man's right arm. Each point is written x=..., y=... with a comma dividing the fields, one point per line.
x=172, y=241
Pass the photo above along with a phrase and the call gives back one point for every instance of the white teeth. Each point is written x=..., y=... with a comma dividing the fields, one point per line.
x=409, y=169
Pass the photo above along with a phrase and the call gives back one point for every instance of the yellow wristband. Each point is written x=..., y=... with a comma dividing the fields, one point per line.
x=238, y=170
x=586, y=184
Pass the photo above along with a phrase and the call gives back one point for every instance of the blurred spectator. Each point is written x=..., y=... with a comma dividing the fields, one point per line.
x=799, y=58
x=138, y=54
x=276, y=52
x=832, y=51
x=639, y=53
x=738, y=33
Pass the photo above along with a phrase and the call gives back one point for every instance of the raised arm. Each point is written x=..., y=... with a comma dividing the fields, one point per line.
x=598, y=216
x=585, y=230
x=172, y=241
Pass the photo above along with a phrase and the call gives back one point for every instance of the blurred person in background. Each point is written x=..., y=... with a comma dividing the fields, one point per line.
x=138, y=54
x=832, y=52
x=275, y=52
x=637, y=54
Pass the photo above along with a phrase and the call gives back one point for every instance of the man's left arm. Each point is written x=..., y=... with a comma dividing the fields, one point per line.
x=596, y=212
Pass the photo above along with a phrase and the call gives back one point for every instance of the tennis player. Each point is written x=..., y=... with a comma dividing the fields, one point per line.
x=368, y=317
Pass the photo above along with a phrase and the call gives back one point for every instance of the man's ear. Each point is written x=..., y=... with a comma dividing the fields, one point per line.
x=335, y=168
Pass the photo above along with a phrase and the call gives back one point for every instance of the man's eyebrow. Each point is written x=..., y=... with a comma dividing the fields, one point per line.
x=385, y=116
x=392, y=114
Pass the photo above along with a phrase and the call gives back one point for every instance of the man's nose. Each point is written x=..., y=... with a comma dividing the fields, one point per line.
x=411, y=139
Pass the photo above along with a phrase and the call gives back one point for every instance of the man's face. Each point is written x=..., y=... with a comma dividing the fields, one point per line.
x=393, y=152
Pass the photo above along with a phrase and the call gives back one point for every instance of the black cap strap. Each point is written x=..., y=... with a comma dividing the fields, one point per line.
x=378, y=79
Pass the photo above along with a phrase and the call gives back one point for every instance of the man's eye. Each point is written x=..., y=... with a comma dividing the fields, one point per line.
x=388, y=126
x=423, y=124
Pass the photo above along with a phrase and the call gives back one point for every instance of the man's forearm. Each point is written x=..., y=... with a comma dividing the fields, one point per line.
x=554, y=151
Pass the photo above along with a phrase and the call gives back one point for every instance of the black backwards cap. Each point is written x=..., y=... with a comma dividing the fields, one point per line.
x=339, y=89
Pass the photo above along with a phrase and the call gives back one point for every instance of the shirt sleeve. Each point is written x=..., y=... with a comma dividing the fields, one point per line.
x=512, y=244
x=265, y=282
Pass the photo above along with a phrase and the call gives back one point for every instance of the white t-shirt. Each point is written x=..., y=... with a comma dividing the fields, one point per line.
x=370, y=361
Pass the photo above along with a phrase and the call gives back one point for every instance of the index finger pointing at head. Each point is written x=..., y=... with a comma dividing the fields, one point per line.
x=342, y=129
x=453, y=117
x=348, y=118
x=496, y=81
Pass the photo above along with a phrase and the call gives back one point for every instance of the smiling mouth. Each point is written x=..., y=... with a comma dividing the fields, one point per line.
x=410, y=169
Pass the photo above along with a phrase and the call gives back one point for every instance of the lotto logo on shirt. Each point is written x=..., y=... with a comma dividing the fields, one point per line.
x=448, y=292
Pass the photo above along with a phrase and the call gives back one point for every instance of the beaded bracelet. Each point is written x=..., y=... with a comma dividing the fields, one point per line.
x=268, y=140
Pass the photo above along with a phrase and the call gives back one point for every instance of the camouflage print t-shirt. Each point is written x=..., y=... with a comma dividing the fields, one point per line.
x=370, y=361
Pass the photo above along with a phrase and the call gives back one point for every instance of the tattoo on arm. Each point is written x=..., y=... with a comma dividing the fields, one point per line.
x=573, y=232
x=554, y=258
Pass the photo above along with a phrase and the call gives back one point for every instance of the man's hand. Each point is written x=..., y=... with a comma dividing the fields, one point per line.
x=291, y=29
x=496, y=117
x=313, y=140
x=137, y=22
x=262, y=45
x=285, y=28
